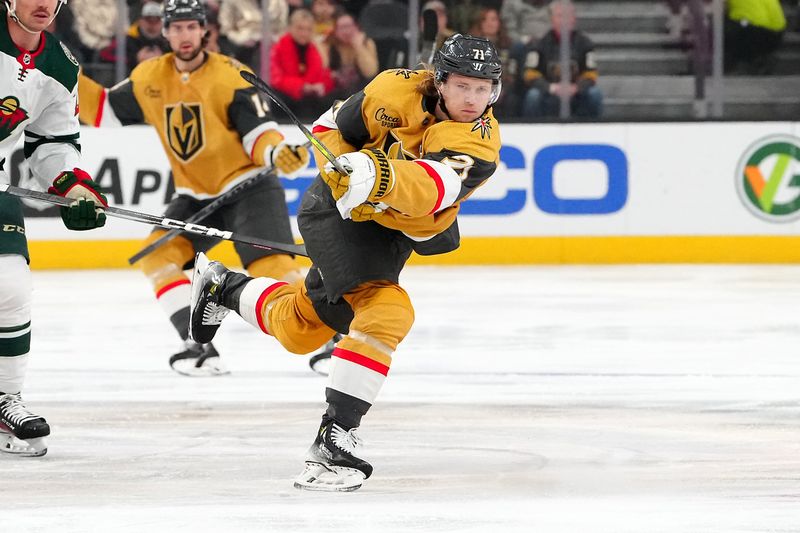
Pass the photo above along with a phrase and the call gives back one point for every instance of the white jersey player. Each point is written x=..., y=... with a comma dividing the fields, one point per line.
x=38, y=99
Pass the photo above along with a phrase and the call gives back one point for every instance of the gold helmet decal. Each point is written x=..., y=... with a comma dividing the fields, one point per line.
x=184, y=127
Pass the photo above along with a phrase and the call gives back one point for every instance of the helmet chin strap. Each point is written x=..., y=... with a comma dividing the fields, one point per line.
x=442, y=104
x=12, y=12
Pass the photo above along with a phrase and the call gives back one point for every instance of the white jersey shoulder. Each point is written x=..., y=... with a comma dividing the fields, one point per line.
x=39, y=100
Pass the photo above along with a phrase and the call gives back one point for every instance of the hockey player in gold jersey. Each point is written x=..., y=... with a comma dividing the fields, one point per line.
x=416, y=143
x=216, y=132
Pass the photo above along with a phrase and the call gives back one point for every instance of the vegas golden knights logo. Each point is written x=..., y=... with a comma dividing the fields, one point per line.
x=393, y=147
x=184, y=129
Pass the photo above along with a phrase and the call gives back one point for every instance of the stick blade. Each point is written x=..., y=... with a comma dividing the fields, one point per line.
x=249, y=77
x=430, y=25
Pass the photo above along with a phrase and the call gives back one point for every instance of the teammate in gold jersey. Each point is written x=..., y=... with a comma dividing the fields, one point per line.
x=416, y=143
x=216, y=132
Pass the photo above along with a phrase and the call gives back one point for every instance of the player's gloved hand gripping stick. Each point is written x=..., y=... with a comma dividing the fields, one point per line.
x=157, y=220
x=346, y=175
x=262, y=86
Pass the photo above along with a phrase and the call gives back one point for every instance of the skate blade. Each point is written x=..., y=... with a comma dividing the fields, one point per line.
x=321, y=363
x=322, y=478
x=23, y=448
x=211, y=367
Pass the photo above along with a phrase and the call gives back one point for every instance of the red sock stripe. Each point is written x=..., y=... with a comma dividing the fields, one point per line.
x=171, y=286
x=362, y=360
x=260, y=302
x=437, y=180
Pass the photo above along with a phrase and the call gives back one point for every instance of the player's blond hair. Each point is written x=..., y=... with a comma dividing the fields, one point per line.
x=427, y=85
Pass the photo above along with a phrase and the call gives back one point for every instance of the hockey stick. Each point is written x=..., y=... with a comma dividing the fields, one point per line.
x=218, y=202
x=162, y=221
x=200, y=215
x=430, y=27
x=262, y=86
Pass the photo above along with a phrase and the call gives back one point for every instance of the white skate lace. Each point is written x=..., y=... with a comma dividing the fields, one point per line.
x=214, y=313
x=345, y=440
x=14, y=410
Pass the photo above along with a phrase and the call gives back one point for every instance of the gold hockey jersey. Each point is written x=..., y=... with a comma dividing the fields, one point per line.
x=214, y=126
x=437, y=164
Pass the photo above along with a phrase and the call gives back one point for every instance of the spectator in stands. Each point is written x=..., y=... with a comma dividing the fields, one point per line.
x=95, y=23
x=542, y=76
x=443, y=31
x=351, y=56
x=461, y=14
x=386, y=22
x=678, y=20
x=486, y=23
x=297, y=71
x=215, y=41
x=525, y=20
x=753, y=32
x=680, y=23
x=240, y=21
x=144, y=39
x=324, y=12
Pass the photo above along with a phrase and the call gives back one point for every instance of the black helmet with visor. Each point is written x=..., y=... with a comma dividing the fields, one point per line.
x=475, y=57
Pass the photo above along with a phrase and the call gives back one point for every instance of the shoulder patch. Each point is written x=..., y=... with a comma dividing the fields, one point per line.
x=483, y=125
x=69, y=54
x=58, y=63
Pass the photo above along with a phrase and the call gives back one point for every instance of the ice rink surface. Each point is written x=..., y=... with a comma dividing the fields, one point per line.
x=537, y=399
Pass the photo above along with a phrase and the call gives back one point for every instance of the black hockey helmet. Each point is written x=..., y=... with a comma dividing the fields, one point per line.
x=469, y=56
x=475, y=57
x=184, y=10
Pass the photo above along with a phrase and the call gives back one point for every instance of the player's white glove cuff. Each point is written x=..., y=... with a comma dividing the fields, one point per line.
x=362, y=179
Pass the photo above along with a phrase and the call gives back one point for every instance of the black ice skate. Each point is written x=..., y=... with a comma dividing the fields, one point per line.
x=330, y=463
x=198, y=360
x=320, y=362
x=21, y=432
x=205, y=310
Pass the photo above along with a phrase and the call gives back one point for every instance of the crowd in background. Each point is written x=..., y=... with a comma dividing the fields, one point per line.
x=322, y=50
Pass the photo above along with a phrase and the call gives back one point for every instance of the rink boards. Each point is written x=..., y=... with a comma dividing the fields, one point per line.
x=599, y=193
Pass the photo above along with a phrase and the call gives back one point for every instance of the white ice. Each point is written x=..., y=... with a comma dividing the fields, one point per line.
x=538, y=399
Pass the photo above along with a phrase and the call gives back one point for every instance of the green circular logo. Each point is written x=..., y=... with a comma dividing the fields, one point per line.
x=768, y=178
